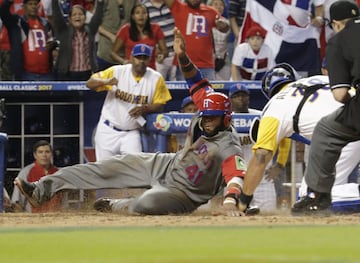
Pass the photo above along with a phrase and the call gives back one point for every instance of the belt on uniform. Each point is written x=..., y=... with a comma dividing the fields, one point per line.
x=108, y=123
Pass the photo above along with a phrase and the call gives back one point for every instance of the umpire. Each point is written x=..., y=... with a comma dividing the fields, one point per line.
x=336, y=130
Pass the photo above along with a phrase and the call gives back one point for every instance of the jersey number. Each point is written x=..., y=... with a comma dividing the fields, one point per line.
x=315, y=95
x=194, y=173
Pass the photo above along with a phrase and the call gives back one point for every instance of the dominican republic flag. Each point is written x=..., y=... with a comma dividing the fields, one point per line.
x=288, y=31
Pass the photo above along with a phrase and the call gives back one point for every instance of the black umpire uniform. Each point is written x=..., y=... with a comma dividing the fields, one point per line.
x=336, y=130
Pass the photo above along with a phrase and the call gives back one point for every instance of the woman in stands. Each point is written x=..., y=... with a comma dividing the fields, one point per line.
x=139, y=31
x=76, y=59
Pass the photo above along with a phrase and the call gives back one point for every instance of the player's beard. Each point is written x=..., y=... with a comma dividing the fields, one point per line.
x=211, y=133
x=215, y=131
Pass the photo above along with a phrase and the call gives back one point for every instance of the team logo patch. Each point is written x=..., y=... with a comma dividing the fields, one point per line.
x=207, y=103
x=240, y=164
x=162, y=122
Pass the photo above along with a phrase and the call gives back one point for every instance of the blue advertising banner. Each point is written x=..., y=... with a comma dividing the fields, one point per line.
x=80, y=85
x=164, y=124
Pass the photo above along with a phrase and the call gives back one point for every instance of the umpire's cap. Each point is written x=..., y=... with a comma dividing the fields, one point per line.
x=343, y=9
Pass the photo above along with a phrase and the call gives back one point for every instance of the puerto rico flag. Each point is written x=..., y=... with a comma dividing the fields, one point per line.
x=288, y=31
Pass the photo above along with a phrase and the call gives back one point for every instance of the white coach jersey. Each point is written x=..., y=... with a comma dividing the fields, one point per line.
x=131, y=92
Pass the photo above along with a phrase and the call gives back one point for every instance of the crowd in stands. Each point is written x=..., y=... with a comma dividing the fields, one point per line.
x=73, y=39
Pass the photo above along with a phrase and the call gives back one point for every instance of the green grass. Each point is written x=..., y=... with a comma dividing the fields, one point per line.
x=325, y=244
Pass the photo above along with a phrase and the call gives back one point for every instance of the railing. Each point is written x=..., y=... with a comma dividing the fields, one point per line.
x=168, y=123
x=80, y=85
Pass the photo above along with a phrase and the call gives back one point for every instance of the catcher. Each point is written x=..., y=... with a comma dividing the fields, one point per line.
x=179, y=182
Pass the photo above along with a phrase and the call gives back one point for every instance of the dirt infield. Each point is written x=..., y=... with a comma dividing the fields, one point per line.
x=86, y=216
x=90, y=218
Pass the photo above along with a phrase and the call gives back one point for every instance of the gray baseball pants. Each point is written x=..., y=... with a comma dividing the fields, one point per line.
x=140, y=170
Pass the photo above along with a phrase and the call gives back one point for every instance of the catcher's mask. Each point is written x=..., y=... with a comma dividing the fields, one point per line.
x=276, y=78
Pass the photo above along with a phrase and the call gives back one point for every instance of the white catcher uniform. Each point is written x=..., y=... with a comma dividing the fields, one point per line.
x=277, y=120
x=117, y=132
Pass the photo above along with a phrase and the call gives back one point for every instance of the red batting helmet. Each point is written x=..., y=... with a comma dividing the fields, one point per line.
x=217, y=104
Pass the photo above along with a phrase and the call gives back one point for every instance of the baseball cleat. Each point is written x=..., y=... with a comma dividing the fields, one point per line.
x=313, y=204
x=252, y=210
x=103, y=205
x=27, y=189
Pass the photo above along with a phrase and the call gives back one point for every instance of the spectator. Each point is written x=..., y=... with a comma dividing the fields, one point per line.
x=195, y=20
x=65, y=6
x=31, y=42
x=133, y=90
x=240, y=99
x=5, y=71
x=77, y=50
x=317, y=19
x=116, y=14
x=139, y=30
x=318, y=13
x=188, y=106
x=253, y=58
x=48, y=11
x=90, y=11
x=230, y=38
x=159, y=13
x=176, y=142
x=265, y=195
x=299, y=31
x=222, y=68
x=43, y=155
x=236, y=17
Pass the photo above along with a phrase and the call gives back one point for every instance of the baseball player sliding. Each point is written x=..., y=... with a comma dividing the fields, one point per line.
x=179, y=182
x=133, y=90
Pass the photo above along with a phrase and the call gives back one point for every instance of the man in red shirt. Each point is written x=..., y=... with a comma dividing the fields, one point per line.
x=195, y=21
x=43, y=155
x=16, y=8
x=31, y=41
